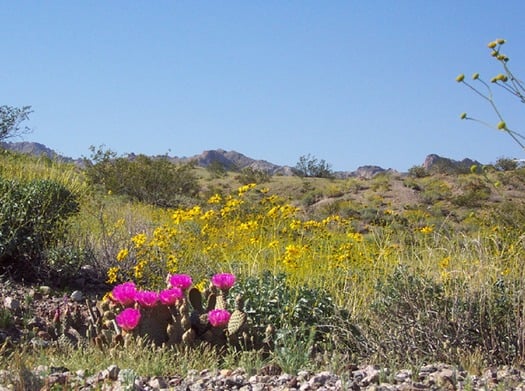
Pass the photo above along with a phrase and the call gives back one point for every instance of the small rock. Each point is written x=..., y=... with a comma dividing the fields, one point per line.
x=11, y=304
x=77, y=296
x=111, y=372
x=158, y=383
x=403, y=375
x=44, y=289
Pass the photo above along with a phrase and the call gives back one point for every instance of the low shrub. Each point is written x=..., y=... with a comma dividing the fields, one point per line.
x=291, y=309
x=417, y=319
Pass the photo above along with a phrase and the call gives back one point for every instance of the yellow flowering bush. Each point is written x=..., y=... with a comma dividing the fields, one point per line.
x=249, y=232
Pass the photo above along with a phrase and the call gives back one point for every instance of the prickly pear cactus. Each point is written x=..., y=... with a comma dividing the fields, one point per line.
x=238, y=335
x=154, y=324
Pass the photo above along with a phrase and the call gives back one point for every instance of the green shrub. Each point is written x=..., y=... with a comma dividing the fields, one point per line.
x=506, y=164
x=31, y=217
x=217, y=169
x=252, y=175
x=311, y=197
x=270, y=299
x=417, y=172
x=472, y=195
x=309, y=166
x=155, y=181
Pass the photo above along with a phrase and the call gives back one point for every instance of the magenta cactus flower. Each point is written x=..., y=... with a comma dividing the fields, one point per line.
x=223, y=281
x=171, y=296
x=182, y=281
x=147, y=298
x=128, y=319
x=219, y=318
x=124, y=293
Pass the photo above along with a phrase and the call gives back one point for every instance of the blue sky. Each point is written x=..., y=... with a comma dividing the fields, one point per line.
x=350, y=82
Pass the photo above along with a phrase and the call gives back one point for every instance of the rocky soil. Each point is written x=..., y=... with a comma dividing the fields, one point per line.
x=46, y=307
x=366, y=377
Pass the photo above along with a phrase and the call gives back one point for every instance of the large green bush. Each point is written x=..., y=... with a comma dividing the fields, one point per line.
x=31, y=217
x=155, y=181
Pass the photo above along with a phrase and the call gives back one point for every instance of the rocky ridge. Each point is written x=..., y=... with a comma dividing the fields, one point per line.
x=233, y=160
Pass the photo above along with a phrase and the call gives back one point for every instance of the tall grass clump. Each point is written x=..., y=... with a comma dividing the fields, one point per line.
x=452, y=296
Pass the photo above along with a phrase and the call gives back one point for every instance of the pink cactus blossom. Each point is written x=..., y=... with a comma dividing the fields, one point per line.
x=124, y=293
x=147, y=298
x=223, y=281
x=182, y=281
x=128, y=319
x=219, y=318
x=171, y=296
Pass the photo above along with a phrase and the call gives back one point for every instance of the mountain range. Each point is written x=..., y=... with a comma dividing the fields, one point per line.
x=233, y=160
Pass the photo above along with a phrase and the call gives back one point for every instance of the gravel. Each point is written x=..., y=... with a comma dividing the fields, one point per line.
x=365, y=377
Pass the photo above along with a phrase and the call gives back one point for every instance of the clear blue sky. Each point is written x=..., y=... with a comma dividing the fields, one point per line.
x=351, y=82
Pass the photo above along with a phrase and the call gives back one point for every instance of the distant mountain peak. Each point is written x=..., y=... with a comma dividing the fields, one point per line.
x=436, y=163
x=33, y=148
x=233, y=160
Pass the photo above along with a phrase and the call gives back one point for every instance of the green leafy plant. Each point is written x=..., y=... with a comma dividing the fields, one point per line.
x=155, y=181
x=270, y=300
x=31, y=220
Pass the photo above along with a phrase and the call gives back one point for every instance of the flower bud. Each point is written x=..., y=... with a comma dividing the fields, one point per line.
x=500, y=77
x=502, y=125
x=500, y=41
x=460, y=78
x=463, y=115
x=475, y=76
x=492, y=44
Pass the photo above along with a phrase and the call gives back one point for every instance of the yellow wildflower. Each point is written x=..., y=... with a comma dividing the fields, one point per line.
x=139, y=240
x=112, y=275
x=122, y=254
x=215, y=199
x=426, y=230
x=243, y=189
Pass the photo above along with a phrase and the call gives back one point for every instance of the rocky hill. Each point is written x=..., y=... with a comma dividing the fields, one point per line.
x=33, y=148
x=232, y=160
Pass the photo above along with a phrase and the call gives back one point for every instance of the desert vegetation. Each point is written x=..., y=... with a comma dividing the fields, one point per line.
x=212, y=268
